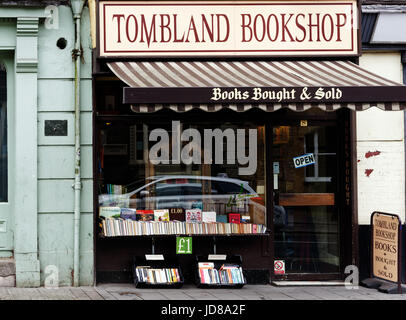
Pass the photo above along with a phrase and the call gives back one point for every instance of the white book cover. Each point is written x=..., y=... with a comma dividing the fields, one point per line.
x=209, y=216
x=161, y=215
x=193, y=215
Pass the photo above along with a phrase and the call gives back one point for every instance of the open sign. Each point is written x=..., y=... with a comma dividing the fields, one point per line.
x=305, y=160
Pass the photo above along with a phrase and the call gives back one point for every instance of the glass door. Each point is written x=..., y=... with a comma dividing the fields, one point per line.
x=306, y=216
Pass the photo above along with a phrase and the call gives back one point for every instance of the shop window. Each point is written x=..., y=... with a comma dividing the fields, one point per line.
x=3, y=134
x=185, y=165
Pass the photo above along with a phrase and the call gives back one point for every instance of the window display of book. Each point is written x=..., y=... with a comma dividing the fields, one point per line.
x=117, y=221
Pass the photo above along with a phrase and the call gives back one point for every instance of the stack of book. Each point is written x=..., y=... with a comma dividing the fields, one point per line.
x=227, y=274
x=147, y=274
x=112, y=227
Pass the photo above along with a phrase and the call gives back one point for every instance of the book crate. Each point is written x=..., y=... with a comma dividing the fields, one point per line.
x=226, y=271
x=157, y=271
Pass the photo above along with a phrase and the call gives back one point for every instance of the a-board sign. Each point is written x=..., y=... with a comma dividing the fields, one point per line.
x=385, y=246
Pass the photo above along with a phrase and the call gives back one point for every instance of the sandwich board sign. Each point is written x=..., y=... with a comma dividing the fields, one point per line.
x=385, y=250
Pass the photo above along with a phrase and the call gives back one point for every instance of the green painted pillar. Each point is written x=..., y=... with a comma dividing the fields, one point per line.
x=25, y=194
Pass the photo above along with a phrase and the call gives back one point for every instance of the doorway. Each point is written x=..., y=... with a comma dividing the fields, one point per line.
x=306, y=198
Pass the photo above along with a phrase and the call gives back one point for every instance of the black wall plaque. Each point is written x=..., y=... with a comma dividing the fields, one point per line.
x=56, y=127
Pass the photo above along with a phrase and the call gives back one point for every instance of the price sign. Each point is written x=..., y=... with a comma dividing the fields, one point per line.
x=183, y=245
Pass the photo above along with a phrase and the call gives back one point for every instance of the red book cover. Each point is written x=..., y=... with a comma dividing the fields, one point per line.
x=145, y=215
x=234, y=217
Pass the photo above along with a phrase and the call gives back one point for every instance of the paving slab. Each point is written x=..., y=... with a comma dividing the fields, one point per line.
x=176, y=296
x=106, y=295
x=79, y=294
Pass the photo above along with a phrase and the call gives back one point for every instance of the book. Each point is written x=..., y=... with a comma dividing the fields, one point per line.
x=234, y=218
x=161, y=215
x=145, y=215
x=128, y=213
x=245, y=219
x=108, y=212
x=193, y=215
x=177, y=214
x=209, y=216
x=222, y=218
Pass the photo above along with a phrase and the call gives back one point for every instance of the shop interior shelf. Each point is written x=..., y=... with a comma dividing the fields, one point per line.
x=190, y=235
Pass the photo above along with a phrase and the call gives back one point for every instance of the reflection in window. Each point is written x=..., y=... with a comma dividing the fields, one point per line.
x=212, y=167
x=3, y=134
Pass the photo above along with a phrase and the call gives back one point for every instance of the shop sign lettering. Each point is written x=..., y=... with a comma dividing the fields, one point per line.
x=385, y=246
x=228, y=28
x=278, y=95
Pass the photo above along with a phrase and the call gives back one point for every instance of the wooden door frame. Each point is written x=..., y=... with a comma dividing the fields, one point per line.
x=348, y=233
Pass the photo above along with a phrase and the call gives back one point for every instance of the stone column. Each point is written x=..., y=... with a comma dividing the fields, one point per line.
x=25, y=194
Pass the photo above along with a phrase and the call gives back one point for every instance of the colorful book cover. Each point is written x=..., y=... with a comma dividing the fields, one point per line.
x=245, y=219
x=145, y=215
x=193, y=215
x=161, y=215
x=128, y=213
x=234, y=217
x=209, y=216
x=108, y=212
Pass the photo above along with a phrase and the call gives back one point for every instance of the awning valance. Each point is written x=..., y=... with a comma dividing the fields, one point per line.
x=242, y=85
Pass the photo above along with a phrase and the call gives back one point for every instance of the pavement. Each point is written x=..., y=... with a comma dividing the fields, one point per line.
x=191, y=292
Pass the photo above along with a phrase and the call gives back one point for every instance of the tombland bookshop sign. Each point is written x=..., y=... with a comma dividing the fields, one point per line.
x=386, y=262
x=385, y=246
x=228, y=28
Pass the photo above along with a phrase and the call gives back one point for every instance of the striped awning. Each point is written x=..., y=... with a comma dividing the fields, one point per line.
x=178, y=85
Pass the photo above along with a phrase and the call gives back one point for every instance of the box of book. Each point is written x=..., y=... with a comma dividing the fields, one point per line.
x=219, y=271
x=159, y=272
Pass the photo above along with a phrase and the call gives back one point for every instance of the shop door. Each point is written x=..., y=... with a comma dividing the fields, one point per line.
x=306, y=215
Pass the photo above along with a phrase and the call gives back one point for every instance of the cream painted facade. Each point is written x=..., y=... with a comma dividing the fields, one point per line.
x=383, y=188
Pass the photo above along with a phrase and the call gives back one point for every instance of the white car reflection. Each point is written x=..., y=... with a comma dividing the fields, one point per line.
x=184, y=191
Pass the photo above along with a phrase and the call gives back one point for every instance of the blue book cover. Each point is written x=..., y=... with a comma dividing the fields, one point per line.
x=221, y=218
x=128, y=213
